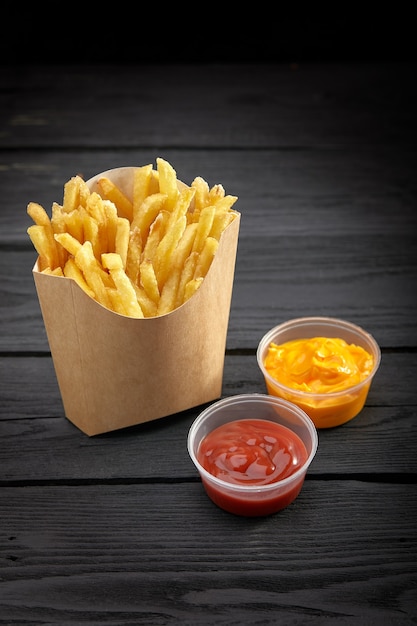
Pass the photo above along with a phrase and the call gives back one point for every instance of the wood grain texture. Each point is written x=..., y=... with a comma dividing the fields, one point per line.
x=123, y=553
x=249, y=106
x=117, y=528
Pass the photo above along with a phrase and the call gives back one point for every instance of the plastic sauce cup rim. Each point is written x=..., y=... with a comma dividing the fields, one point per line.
x=267, y=399
x=307, y=321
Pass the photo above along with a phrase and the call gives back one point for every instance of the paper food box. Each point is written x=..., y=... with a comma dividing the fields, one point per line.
x=116, y=371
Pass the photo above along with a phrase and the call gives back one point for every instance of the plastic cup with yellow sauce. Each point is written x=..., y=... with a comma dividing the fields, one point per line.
x=323, y=365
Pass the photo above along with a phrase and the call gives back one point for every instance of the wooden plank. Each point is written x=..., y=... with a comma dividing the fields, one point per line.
x=31, y=389
x=378, y=445
x=371, y=283
x=366, y=190
x=212, y=105
x=382, y=439
x=320, y=235
x=123, y=552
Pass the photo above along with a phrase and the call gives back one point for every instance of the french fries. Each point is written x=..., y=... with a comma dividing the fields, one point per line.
x=139, y=256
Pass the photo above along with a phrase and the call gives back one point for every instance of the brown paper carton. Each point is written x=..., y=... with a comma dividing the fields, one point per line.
x=115, y=371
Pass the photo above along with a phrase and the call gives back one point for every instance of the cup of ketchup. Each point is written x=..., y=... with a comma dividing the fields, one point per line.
x=252, y=452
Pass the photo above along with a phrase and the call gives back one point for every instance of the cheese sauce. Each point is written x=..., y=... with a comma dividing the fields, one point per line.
x=318, y=364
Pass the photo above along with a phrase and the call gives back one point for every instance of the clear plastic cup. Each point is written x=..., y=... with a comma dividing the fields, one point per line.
x=327, y=409
x=249, y=499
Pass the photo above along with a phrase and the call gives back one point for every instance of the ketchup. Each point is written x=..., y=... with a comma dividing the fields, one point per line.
x=252, y=452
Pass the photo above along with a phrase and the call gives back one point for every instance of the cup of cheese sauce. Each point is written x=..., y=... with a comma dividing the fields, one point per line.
x=252, y=452
x=324, y=365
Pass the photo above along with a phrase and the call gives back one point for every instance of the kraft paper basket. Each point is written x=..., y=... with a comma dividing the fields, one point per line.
x=115, y=371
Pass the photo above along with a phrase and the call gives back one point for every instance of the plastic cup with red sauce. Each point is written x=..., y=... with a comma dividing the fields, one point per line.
x=252, y=452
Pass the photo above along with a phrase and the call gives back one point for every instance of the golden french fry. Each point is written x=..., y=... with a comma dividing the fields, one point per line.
x=168, y=183
x=142, y=180
x=154, y=184
x=114, y=263
x=182, y=205
x=216, y=193
x=110, y=211
x=191, y=287
x=117, y=301
x=92, y=271
x=156, y=232
x=168, y=299
x=73, y=246
x=201, y=198
x=94, y=208
x=56, y=272
x=71, y=270
x=225, y=203
x=185, y=245
x=148, y=280
x=58, y=219
x=109, y=190
x=123, y=297
x=205, y=258
x=38, y=214
x=221, y=221
x=134, y=252
x=76, y=193
x=205, y=223
x=90, y=231
x=71, y=200
x=122, y=238
x=187, y=274
x=47, y=241
x=73, y=224
x=147, y=305
x=67, y=241
x=165, y=249
x=41, y=240
x=146, y=213
x=97, y=212
x=169, y=293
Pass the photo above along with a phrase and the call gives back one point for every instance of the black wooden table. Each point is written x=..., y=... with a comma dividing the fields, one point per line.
x=117, y=528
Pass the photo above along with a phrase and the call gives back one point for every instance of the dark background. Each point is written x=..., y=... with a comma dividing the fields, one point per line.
x=202, y=34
